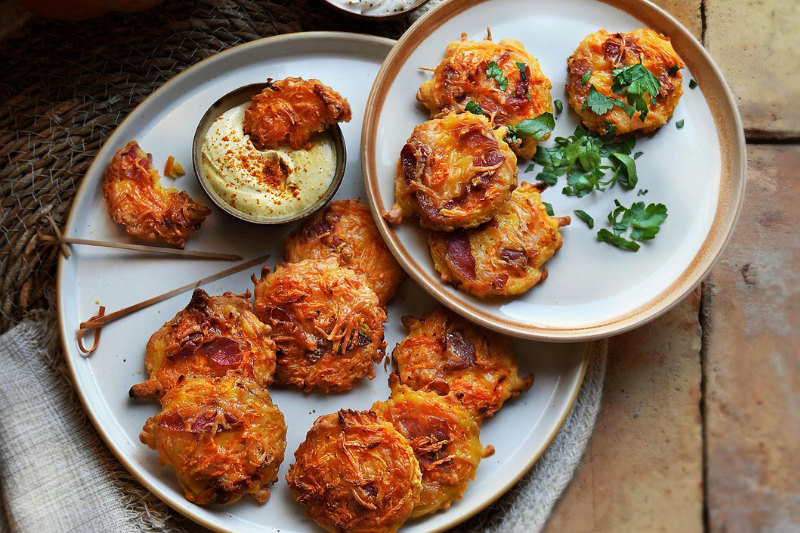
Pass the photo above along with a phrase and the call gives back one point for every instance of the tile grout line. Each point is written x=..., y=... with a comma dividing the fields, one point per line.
x=703, y=22
x=703, y=320
x=770, y=140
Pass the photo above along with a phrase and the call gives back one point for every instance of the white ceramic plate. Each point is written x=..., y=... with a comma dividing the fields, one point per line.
x=594, y=289
x=164, y=125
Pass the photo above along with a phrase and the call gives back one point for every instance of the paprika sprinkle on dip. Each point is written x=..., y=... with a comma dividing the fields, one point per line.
x=268, y=183
x=273, y=157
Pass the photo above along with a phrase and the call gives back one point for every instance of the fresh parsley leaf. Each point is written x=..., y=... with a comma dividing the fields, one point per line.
x=624, y=147
x=620, y=218
x=674, y=70
x=601, y=104
x=530, y=167
x=637, y=155
x=548, y=178
x=559, y=106
x=585, y=77
x=642, y=192
x=606, y=236
x=692, y=83
x=473, y=107
x=634, y=81
x=611, y=130
x=493, y=70
x=583, y=215
x=644, y=221
x=580, y=158
x=626, y=169
x=548, y=208
x=535, y=127
x=523, y=74
x=679, y=124
x=549, y=157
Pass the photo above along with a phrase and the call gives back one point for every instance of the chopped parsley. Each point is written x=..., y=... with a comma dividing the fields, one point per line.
x=548, y=208
x=524, y=76
x=533, y=127
x=692, y=83
x=493, y=70
x=680, y=124
x=473, y=107
x=674, y=70
x=611, y=130
x=583, y=215
x=601, y=104
x=645, y=223
x=626, y=170
x=606, y=236
x=580, y=158
x=585, y=77
x=559, y=106
x=634, y=82
x=530, y=167
x=642, y=192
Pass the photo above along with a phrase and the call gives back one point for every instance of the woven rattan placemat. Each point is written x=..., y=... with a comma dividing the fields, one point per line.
x=64, y=87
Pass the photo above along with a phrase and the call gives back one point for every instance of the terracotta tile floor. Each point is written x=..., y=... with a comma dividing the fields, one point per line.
x=700, y=425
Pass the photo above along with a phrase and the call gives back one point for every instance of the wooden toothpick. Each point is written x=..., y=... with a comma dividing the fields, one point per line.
x=101, y=319
x=57, y=239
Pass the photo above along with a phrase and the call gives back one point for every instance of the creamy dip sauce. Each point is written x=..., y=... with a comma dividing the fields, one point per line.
x=375, y=7
x=270, y=183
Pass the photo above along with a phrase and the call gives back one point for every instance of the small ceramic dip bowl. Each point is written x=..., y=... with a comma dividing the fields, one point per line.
x=278, y=186
x=376, y=9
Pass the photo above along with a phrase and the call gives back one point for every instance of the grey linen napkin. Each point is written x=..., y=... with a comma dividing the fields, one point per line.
x=56, y=474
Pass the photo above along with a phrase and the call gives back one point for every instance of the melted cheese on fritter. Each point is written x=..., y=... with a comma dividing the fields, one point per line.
x=454, y=172
x=355, y=473
x=446, y=354
x=461, y=78
x=602, y=52
x=504, y=257
x=223, y=437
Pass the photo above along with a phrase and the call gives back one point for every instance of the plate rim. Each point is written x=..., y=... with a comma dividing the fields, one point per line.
x=733, y=180
x=89, y=408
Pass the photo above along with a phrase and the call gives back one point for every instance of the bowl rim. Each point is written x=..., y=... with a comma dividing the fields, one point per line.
x=733, y=156
x=227, y=102
x=387, y=16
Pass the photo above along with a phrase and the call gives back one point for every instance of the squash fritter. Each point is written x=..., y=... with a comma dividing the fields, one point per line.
x=454, y=172
x=223, y=437
x=289, y=111
x=602, y=52
x=461, y=78
x=211, y=336
x=326, y=321
x=444, y=437
x=355, y=474
x=446, y=354
x=137, y=200
x=345, y=230
x=505, y=256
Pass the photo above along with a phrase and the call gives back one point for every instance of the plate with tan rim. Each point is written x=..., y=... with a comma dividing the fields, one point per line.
x=594, y=289
x=164, y=125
